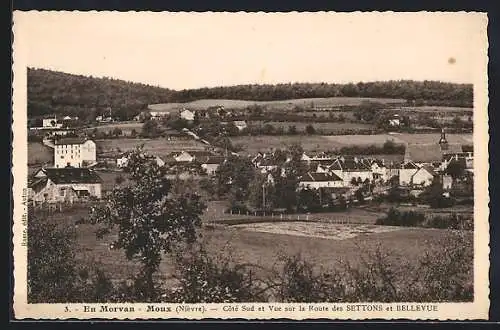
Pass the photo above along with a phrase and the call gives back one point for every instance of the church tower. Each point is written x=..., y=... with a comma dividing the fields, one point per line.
x=442, y=141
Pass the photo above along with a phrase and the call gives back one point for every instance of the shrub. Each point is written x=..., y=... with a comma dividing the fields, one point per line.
x=203, y=279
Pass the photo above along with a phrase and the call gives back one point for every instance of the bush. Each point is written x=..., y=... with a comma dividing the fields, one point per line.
x=406, y=218
x=203, y=279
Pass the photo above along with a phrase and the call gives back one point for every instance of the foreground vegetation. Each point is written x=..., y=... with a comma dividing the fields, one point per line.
x=165, y=221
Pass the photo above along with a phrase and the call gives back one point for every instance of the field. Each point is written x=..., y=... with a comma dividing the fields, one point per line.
x=248, y=245
x=429, y=108
x=283, y=104
x=126, y=127
x=329, y=128
x=254, y=144
x=158, y=146
x=39, y=154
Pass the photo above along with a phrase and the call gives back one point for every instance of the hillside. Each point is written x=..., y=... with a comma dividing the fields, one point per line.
x=52, y=92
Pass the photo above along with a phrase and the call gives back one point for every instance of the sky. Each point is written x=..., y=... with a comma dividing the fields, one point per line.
x=193, y=50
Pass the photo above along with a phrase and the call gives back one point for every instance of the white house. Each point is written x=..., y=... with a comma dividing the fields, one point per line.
x=187, y=115
x=211, y=165
x=122, y=162
x=379, y=170
x=51, y=123
x=157, y=115
x=240, y=124
x=64, y=185
x=423, y=177
x=321, y=180
x=447, y=181
x=406, y=173
x=74, y=152
x=349, y=168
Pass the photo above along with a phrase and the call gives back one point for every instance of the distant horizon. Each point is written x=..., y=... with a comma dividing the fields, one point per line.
x=242, y=84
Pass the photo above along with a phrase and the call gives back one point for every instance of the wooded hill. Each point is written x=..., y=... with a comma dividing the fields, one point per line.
x=51, y=92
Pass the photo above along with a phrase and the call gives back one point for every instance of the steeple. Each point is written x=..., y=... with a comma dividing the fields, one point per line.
x=442, y=141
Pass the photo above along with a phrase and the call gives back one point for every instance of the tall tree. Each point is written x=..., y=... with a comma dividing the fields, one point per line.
x=150, y=221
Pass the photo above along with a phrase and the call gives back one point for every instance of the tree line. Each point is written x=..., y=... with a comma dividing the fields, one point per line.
x=61, y=93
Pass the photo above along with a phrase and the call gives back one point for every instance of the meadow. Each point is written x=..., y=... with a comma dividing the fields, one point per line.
x=254, y=144
x=245, y=244
x=126, y=127
x=281, y=104
x=159, y=147
x=327, y=128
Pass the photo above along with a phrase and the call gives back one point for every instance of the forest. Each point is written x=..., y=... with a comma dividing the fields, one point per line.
x=51, y=92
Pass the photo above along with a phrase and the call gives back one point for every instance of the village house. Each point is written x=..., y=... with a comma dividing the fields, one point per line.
x=54, y=185
x=187, y=115
x=466, y=157
x=406, y=173
x=321, y=180
x=379, y=170
x=74, y=152
x=51, y=123
x=211, y=164
x=446, y=181
x=349, y=168
x=423, y=177
x=122, y=160
x=158, y=115
x=394, y=121
x=240, y=124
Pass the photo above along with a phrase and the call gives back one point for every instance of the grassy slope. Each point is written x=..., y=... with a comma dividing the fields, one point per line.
x=282, y=104
x=259, y=248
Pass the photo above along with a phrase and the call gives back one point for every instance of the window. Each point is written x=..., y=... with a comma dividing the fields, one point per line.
x=62, y=192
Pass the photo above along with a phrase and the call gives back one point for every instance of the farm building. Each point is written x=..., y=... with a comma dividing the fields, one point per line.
x=349, y=168
x=187, y=115
x=64, y=185
x=240, y=124
x=423, y=177
x=406, y=173
x=321, y=180
x=51, y=123
x=75, y=152
x=211, y=164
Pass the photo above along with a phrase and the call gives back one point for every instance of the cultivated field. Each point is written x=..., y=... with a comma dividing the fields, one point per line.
x=283, y=104
x=247, y=245
x=430, y=108
x=158, y=146
x=126, y=127
x=39, y=154
x=325, y=127
x=254, y=144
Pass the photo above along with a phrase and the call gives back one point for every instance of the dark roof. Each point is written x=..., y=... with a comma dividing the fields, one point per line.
x=409, y=166
x=200, y=153
x=268, y=162
x=321, y=177
x=350, y=164
x=37, y=184
x=72, y=175
x=70, y=141
x=213, y=160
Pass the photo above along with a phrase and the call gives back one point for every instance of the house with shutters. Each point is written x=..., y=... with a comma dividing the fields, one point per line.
x=314, y=180
x=53, y=185
x=74, y=152
x=349, y=168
